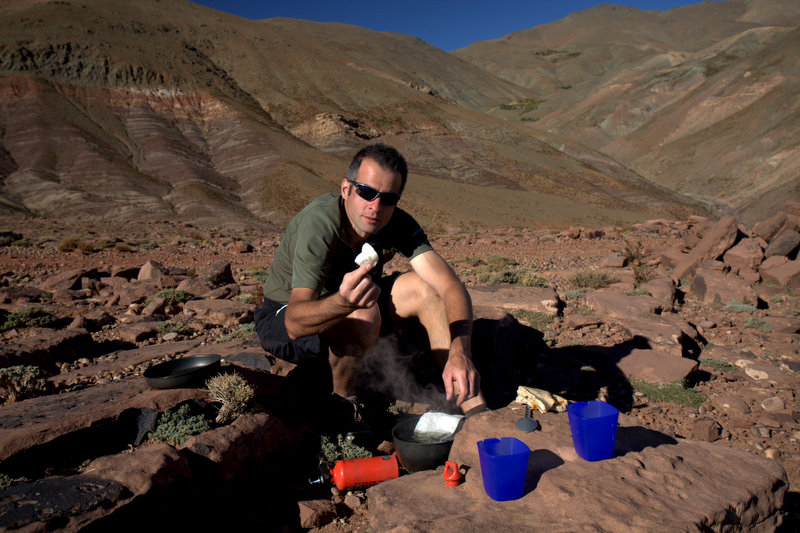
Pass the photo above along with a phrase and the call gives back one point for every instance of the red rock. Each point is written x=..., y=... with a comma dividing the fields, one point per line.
x=656, y=366
x=712, y=286
x=721, y=487
x=138, y=332
x=706, y=429
x=784, y=243
x=316, y=513
x=155, y=307
x=152, y=272
x=715, y=243
x=544, y=300
x=767, y=229
x=221, y=312
x=44, y=347
x=621, y=306
x=785, y=275
x=747, y=255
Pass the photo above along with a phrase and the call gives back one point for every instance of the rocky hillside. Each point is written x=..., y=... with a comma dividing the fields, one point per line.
x=120, y=110
x=701, y=99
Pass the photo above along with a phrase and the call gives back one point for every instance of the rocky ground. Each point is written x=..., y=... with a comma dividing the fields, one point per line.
x=743, y=373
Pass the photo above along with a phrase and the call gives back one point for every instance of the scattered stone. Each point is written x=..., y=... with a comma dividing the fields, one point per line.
x=785, y=243
x=138, y=332
x=655, y=366
x=711, y=247
x=773, y=404
x=151, y=272
x=706, y=429
x=316, y=513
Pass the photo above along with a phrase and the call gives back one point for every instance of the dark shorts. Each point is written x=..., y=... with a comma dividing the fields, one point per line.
x=271, y=328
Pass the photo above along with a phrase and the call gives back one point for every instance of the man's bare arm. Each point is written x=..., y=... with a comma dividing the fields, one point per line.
x=307, y=314
x=435, y=271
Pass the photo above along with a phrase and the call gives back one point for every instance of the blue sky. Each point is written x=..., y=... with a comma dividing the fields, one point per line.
x=448, y=24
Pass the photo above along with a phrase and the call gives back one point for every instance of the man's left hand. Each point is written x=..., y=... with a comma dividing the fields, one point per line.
x=461, y=380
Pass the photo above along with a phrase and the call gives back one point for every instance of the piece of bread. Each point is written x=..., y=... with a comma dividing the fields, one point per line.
x=540, y=399
x=368, y=256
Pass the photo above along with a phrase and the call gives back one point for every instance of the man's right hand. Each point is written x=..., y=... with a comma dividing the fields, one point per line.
x=357, y=288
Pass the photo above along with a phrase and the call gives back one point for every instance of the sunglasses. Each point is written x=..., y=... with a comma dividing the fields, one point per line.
x=369, y=194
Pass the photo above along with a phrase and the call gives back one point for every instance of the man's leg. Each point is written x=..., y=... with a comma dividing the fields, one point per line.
x=412, y=297
x=348, y=341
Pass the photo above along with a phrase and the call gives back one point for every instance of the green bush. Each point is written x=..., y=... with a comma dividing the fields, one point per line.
x=7, y=481
x=172, y=327
x=675, y=392
x=343, y=448
x=739, y=307
x=172, y=296
x=244, y=332
x=20, y=382
x=758, y=324
x=29, y=317
x=511, y=275
x=537, y=319
x=720, y=365
x=591, y=279
x=175, y=426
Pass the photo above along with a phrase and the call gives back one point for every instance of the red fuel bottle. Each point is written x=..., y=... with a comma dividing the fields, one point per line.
x=364, y=472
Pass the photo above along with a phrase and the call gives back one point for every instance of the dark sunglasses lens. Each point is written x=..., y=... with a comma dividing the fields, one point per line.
x=390, y=198
x=369, y=194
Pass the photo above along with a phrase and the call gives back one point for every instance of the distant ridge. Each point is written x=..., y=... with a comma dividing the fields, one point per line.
x=701, y=99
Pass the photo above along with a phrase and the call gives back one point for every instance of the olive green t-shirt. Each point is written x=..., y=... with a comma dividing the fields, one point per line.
x=314, y=255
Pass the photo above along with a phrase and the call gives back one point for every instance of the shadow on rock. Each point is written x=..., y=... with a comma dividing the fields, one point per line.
x=636, y=439
x=539, y=462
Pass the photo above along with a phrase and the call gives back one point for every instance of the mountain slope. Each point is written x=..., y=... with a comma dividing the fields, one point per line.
x=700, y=99
x=119, y=109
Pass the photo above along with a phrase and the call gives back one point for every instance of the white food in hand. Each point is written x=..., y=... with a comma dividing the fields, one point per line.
x=368, y=256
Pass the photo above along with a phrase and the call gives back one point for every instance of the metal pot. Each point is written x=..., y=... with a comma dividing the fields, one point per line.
x=417, y=456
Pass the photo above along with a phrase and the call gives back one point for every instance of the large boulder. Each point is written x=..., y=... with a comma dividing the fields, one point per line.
x=653, y=483
x=713, y=245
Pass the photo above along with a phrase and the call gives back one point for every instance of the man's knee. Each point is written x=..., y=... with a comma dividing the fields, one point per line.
x=360, y=329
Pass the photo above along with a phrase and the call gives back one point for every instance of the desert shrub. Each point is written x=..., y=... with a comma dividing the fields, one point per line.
x=498, y=261
x=233, y=392
x=641, y=273
x=758, y=324
x=20, y=382
x=122, y=247
x=246, y=298
x=9, y=237
x=172, y=296
x=244, y=332
x=512, y=275
x=176, y=425
x=675, y=392
x=591, y=279
x=343, y=448
x=638, y=292
x=259, y=273
x=6, y=481
x=68, y=244
x=720, y=365
x=172, y=327
x=739, y=307
x=30, y=317
x=103, y=244
x=537, y=319
x=793, y=312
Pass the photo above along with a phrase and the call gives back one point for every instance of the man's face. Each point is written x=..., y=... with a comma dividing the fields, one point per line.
x=369, y=217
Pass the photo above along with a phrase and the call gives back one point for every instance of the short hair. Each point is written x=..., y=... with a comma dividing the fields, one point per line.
x=387, y=157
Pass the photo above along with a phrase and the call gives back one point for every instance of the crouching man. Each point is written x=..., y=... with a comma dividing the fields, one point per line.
x=319, y=303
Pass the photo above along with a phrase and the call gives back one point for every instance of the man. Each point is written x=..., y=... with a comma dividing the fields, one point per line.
x=319, y=303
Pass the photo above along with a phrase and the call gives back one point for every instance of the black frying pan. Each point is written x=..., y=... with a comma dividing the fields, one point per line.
x=183, y=372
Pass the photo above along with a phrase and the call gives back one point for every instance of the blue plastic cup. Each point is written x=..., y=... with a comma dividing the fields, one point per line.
x=594, y=429
x=504, y=465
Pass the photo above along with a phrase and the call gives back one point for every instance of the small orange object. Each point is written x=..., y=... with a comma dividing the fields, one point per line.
x=452, y=475
x=364, y=472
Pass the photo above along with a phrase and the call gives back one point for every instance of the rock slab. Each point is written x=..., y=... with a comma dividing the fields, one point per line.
x=653, y=483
